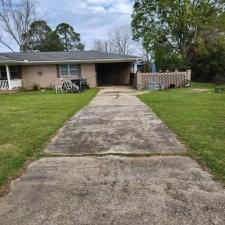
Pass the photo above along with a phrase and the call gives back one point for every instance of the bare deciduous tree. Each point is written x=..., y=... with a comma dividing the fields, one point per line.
x=121, y=37
x=103, y=45
x=99, y=45
x=15, y=20
x=119, y=41
x=6, y=44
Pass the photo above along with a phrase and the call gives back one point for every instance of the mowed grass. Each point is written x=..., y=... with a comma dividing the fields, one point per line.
x=197, y=118
x=28, y=119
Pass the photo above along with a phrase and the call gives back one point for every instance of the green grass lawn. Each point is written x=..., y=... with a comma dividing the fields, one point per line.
x=197, y=118
x=28, y=119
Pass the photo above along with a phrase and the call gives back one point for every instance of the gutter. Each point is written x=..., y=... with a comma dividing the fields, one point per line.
x=27, y=62
x=8, y=62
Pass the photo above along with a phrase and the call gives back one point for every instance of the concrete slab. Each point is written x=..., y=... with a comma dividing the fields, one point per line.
x=115, y=121
x=114, y=190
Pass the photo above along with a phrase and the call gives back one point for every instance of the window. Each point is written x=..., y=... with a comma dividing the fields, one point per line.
x=3, y=74
x=69, y=70
x=15, y=72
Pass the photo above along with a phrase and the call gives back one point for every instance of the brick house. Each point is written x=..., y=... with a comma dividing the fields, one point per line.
x=46, y=68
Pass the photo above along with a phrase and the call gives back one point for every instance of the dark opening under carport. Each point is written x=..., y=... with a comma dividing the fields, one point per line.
x=113, y=73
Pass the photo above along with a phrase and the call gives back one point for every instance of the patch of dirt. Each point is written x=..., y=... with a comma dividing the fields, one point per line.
x=200, y=90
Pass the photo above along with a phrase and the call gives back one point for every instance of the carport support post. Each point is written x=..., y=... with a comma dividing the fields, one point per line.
x=8, y=77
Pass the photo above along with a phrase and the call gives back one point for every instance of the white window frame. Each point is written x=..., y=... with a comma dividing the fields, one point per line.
x=68, y=69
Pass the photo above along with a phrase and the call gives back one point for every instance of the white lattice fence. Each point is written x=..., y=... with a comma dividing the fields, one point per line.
x=176, y=79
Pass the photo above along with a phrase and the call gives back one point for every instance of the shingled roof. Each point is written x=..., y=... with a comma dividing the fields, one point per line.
x=63, y=56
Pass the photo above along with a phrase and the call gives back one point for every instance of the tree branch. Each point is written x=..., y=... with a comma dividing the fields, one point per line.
x=5, y=44
x=16, y=20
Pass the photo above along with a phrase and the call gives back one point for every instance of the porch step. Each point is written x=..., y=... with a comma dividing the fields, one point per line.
x=5, y=91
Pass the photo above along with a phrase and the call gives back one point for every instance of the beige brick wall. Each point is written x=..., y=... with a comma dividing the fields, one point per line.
x=46, y=75
x=88, y=71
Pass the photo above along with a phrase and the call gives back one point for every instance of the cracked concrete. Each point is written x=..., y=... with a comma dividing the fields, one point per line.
x=115, y=121
x=114, y=190
x=157, y=190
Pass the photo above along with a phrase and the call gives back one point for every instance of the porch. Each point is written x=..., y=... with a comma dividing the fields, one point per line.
x=10, y=77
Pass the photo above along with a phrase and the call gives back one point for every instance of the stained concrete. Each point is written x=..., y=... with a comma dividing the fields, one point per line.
x=115, y=191
x=159, y=190
x=115, y=121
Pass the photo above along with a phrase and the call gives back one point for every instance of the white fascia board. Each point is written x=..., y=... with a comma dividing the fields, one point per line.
x=8, y=62
x=75, y=61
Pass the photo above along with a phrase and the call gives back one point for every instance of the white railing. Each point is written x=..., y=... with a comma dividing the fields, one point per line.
x=4, y=84
x=16, y=83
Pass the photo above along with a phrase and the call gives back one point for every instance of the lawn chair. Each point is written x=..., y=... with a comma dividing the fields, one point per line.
x=70, y=87
x=58, y=87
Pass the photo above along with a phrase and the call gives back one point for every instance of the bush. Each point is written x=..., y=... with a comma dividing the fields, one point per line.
x=208, y=64
x=50, y=88
x=36, y=87
x=220, y=89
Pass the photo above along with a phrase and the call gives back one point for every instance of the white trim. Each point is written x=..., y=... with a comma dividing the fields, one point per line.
x=73, y=61
x=8, y=77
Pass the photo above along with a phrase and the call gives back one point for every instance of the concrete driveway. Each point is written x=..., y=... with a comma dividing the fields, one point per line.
x=116, y=191
x=93, y=190
x=115, y=121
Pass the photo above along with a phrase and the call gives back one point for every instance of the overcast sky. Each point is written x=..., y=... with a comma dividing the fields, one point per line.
x=91, y=18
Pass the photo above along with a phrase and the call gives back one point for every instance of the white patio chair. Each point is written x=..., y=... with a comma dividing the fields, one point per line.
x=59, y=87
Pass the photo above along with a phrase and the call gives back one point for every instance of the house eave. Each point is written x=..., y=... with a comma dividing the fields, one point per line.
x=27, y=62
x=8, y=62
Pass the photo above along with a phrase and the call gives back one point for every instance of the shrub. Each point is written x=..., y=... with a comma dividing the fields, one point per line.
x=50, y=88
x=36, y=87
x=220, y=89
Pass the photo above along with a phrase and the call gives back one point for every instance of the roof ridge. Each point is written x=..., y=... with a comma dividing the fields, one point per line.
x=31, y=52
x=37, y=52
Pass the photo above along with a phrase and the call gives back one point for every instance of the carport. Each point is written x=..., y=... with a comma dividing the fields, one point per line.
x=119, y=73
